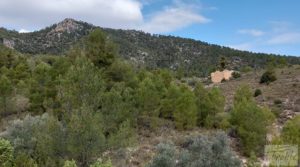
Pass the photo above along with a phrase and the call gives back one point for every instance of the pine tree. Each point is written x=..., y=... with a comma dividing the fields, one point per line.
x=6, y=90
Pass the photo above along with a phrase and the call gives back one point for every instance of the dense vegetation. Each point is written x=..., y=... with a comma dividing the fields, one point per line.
x=198, y=151
x=74, y=108
x=151, y=51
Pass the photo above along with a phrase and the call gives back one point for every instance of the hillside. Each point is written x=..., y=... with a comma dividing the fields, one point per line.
x=152, y=51
x=92, y=107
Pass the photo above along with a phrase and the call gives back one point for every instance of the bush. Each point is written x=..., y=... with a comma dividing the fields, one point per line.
x=70, y=163
x=277, y=102
x=185, y=113
x=100, y=163
x=291, y=131
x=6, y=153
x=276, y=111
x=209, y=104
x=24, y=160
x=165, y=157
x=250, y=122
x=236, y=74
x=200, y=151
x=246, y=69
x=268, y=77
x=257, y=92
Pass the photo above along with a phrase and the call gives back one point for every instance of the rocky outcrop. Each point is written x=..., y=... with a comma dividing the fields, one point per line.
x=297, y=105
x=8, y=43
x=218, y=76
x=67, y=25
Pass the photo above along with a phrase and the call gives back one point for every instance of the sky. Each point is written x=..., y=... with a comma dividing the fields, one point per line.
x=269, y=26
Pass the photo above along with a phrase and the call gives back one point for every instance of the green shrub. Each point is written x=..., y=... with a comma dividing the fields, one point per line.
x=165, y=156
x=200, y=151
x=236, y=74
x=257, y=92
x=70, y=163
x=246, y=69
x=291, y=132
x=209, y=104
x=100, y=163
x=24, y=160
x=250, y=121
x=185, y=113
x=277, y=102
x=6, y=153
x=276, y=111
x=268, y=77
x=253, y=161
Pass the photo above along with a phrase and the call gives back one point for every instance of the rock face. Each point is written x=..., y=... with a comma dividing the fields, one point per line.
x=218, y=76
x=67, y=25
x=297, y=105
x=8, y=43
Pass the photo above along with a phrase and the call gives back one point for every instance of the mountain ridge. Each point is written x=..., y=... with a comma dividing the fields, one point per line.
x=152, y=51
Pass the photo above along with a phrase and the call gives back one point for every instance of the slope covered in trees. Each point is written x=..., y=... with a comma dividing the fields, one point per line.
x=152, y=51
x=74, y=110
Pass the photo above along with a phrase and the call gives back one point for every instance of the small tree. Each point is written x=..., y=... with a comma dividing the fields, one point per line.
x=250, y=121
x=99, y=50
x=291, y=131
x=6, y=90
x=186, y=110
x=223, y=63
x=268, y=77
x=257, y=92
x=209, y=104
x=85, y=135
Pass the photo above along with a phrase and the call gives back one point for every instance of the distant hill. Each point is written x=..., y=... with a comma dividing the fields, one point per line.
x=152, y=51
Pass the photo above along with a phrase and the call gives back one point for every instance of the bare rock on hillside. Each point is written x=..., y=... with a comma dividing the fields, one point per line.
x=286, y=115
x=297, y=105
x=218, y=76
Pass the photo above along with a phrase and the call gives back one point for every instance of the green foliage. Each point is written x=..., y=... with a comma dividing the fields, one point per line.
x=257, y=92
x=223, y=63
x=149, y=94
x=243, y=93
x=209, y=104
x=161, y=51
x=291, y=131
x=90, y=102
x=41, y=87
x=168, y=104
x=203, y=150
x=250, y=121
x=85, y=135
x=71, y=163
x=120, y=72
x=253, y=161
x=100, y=163
x=7, y=57
x=185, y=113
x=246, y=69
x=99, y=50
x=82, y=84
x=124, y=137
x=278, y=102
x=197, y=151
x=236, y=75
x=268, y=77
x=23, y=160
x=6, y=90
x=165, y=156
x=6, y=153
